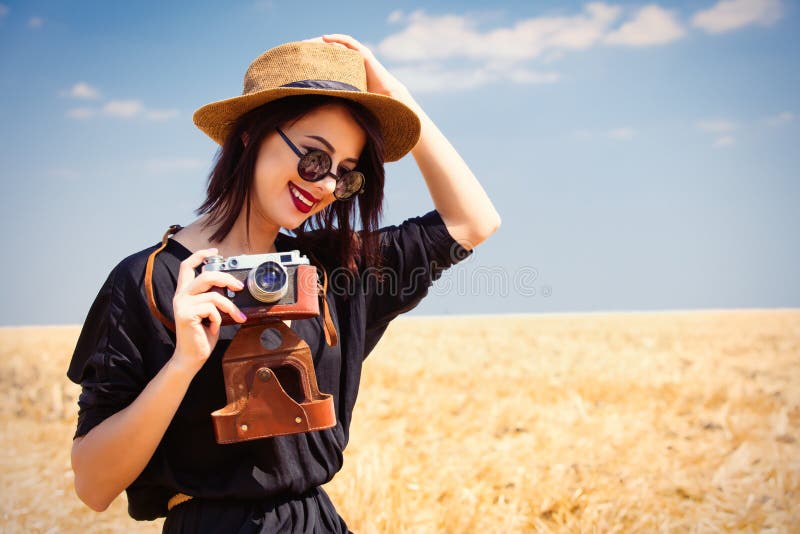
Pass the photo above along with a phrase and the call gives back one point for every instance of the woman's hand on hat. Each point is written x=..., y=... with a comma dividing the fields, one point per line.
x=197, y=310
x=379, y=80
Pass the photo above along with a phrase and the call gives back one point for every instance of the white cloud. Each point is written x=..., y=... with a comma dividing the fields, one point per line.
x=781, y=118
x=652, y=25
x=577, y=32
x=725, y=140
x=462, y=51
x=160, y=114
x=81, y=113
x=174, y=165
x=622, y=134
x=84, y=91
x=125, y=109
x=451, y=52
x=717, y=125
x=457, y=51
x=35, y=22
x=727, y=15
x=122, y=109
x=436, y=37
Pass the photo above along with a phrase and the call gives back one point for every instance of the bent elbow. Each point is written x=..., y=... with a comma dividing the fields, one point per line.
x=489, y=225
x=496, y=223
x=482, y=233
x=90, y=498
x=97, y=506
x=85, y=488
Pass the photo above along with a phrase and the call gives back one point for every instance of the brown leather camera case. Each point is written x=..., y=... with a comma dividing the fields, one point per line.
x=258, y=405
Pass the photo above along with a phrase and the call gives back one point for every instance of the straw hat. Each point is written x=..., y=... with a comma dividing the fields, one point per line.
x=311, y=68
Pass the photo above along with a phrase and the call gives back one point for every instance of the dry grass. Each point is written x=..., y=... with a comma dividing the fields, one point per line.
x=668, y=422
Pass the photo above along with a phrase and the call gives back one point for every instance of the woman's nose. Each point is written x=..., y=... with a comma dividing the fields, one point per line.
x=327, y=185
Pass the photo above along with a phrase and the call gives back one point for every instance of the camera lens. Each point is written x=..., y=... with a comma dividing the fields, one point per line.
x=267, y=282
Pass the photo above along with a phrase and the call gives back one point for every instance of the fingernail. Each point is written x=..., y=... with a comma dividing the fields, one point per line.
x=242, y=316
x=239, y=284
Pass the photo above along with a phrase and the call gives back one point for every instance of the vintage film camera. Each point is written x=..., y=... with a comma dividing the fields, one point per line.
x=280, y=284
x=270, y=382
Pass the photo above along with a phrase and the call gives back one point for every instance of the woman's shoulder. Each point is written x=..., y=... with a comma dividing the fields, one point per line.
x=120, y=306
x=176, y=248
x=129, y=272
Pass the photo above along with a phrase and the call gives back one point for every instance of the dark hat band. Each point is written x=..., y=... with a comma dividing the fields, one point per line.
x=323, y=84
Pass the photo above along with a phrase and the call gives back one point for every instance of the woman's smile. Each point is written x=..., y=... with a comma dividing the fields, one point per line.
x=303, y=200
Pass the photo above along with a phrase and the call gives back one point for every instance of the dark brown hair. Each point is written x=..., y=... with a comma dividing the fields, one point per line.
x=329, y=234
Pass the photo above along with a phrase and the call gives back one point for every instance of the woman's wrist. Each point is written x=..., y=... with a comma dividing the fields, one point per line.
x=178, y=368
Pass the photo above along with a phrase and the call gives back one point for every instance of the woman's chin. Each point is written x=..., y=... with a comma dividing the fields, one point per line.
x=295, y=220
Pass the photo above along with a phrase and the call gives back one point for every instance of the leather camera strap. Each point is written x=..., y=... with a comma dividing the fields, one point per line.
x=148, y=278
x=331, y=337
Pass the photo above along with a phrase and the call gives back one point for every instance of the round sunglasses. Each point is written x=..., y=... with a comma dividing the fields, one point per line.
x=315, y=165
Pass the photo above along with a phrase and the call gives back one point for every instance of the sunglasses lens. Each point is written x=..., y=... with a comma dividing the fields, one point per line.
x=349, y=184
x=314, y=166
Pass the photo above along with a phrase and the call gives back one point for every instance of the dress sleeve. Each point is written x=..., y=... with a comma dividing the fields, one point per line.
x=413, y=255
x=107, y=361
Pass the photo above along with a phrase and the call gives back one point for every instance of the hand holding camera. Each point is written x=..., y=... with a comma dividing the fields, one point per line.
x=197, y=310
x=238, y=289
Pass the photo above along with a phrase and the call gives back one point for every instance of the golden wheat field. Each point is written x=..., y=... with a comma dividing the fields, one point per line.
x=649, y=422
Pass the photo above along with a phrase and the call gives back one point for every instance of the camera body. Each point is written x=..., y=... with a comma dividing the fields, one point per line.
x=276, y=285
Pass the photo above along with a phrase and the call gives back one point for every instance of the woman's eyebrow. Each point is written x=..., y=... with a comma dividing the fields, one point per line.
x=329, y=146
x=324, y=142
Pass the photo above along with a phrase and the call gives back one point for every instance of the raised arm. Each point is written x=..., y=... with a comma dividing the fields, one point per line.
x=459, y=198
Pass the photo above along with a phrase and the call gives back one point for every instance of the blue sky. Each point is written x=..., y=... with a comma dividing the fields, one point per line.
x=642, y=156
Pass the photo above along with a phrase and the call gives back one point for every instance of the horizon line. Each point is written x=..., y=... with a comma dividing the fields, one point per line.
x=513, y=315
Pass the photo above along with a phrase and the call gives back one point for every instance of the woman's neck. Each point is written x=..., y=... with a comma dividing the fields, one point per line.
x=259, y=240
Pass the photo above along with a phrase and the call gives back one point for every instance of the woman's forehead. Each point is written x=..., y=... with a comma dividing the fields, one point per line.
x=335, y=124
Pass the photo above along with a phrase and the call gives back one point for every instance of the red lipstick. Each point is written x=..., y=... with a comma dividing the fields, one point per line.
x=299, y=203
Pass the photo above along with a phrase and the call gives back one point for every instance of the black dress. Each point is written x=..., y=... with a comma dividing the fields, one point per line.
x=264, y=485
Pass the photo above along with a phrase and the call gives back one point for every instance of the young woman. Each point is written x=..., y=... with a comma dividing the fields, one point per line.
x=302, y=150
